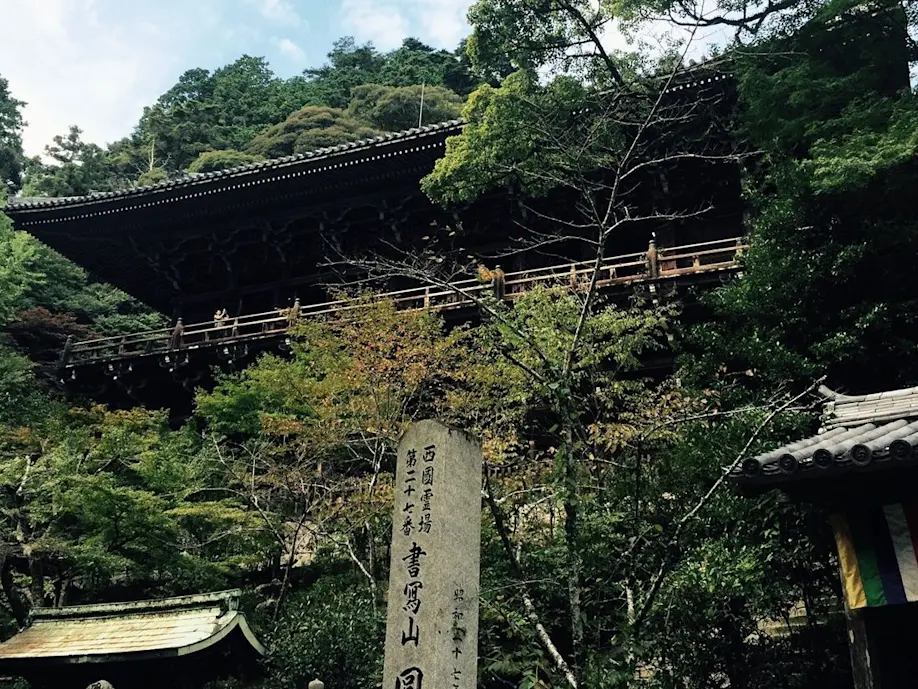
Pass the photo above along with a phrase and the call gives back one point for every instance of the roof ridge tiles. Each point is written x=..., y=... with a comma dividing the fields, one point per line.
x=189, y=602
x=886, y=394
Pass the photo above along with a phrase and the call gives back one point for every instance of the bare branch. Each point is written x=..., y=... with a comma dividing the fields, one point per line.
x=513, y=557
x=657, y=579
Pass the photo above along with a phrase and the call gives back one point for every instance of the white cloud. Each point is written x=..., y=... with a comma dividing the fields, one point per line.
x=444, y=22
x=441, y=23
x=375, y=20
x=289, y=48
x=74, y=64
x=278, y=12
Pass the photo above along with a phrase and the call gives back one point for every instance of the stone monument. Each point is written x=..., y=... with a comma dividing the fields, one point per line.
x=432, y=614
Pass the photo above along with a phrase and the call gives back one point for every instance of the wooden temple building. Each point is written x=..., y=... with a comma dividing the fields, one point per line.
x=863, y=468
x=258, y=239
x=181, y=642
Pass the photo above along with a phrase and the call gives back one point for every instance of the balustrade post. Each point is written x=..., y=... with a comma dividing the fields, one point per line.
x=65, y=353
x=653, y=267
x=573, y=275
x=497, y=282
x=696, y=261
x=427, y=297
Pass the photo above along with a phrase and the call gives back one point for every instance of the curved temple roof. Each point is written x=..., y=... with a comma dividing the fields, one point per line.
x=860, y=433
x=26, y=211
x=129, y=631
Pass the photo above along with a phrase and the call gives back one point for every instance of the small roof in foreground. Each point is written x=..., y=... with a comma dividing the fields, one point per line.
x=113, y=632
x=860, y=433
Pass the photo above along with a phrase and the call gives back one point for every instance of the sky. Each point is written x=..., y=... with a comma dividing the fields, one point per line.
x=97, y=63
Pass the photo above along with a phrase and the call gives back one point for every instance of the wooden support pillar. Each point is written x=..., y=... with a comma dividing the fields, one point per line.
x=882, y=642
x=863, y=667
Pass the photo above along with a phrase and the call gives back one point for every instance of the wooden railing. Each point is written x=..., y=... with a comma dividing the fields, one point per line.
x=652, y=265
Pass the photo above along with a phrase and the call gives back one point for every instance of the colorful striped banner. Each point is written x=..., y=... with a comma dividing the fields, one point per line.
x=876, y=553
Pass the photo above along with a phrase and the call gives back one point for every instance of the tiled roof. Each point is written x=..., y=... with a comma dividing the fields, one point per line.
x=368, y=146
x=860, y=432
x=96, y=633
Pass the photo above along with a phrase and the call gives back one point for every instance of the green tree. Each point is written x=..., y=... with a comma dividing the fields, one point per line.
x=319, y=431
x=396, y=109
x=20, y=399
x=65, y=288
x=17, y=278
x=532, y=34
x=828, y=202
x=78, y=168
x=414, y=63
x=308, y=129
x=206, y=111
x=334, y=410
x=213, y=161
x=248, y=97
x=593, y=135
x=44, y=298
x=228, y=109
x=349, y=65
x=334, y=630
x=11, y=124
x=97, y=499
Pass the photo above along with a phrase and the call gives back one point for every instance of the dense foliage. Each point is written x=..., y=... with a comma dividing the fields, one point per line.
x=823, y=293
x=610, y=525
x=308, y=129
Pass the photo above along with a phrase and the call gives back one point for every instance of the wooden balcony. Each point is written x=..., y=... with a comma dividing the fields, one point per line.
x=691, y=263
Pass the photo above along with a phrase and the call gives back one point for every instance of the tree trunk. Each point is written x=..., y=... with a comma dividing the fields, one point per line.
x=37, y=586
x=514, y=559
x=572, y=545
x=17, y=604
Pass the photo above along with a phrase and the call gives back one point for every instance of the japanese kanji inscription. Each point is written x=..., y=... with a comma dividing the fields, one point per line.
x=432, y=615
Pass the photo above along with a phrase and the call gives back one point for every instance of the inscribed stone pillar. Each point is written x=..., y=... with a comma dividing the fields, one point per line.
x=432, y=614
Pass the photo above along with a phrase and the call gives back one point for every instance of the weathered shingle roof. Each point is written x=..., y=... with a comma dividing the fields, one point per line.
x=127, y=631
x=860, y=432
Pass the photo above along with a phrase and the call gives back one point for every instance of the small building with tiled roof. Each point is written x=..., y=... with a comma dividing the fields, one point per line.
x=862, y=467
x=864, y=442
x=182, y=642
